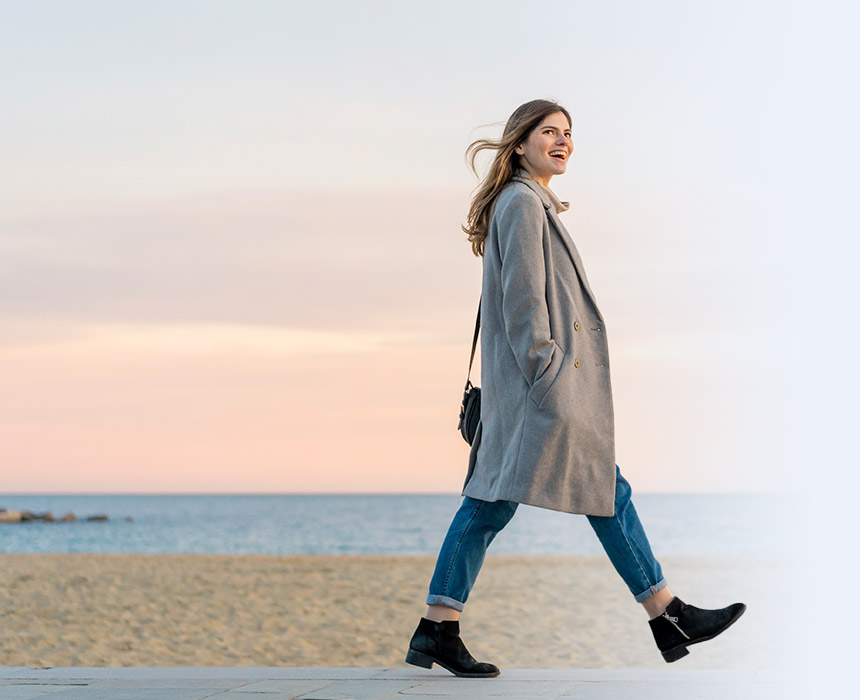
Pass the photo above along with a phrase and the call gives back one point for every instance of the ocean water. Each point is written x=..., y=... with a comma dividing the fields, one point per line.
x=677, y=524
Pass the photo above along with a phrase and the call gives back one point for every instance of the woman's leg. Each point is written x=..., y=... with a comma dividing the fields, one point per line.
x=674, y=624
x=472, y=530
x=624, y=540
x=437, y=637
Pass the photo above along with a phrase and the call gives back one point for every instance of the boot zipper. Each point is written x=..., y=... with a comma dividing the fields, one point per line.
x=674, y=621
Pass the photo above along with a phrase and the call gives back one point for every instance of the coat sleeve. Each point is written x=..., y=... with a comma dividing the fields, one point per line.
x=519, y=228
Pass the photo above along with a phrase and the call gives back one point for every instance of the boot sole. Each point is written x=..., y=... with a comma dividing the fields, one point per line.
x=680, y=651
x=417, y=658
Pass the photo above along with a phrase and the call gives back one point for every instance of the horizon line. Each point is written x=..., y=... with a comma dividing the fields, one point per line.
x=354, y=493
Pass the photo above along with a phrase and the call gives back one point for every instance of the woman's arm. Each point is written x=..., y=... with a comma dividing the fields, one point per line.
x=523, y=271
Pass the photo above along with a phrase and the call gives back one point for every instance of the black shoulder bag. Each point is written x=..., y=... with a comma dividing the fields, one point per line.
x=470, y=409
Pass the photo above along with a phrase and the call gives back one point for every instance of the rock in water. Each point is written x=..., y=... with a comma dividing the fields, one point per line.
x=47, y=516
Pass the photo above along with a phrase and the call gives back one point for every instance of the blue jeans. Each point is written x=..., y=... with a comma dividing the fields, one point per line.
x=477, y=522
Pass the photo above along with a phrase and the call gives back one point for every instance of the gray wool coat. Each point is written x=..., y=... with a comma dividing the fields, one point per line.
x=546, y=436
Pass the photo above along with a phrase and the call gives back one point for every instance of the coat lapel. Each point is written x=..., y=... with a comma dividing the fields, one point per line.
x=562, y=232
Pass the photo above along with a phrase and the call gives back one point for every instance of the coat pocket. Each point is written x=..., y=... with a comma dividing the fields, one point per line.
x=539, y=390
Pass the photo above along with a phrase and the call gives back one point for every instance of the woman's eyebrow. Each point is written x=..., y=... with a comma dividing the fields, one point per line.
x=553, y=128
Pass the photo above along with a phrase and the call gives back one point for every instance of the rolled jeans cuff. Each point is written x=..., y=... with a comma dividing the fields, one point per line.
x=446, y=601
x=661, y=584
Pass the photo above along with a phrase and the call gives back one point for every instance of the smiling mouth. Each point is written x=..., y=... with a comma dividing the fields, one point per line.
x=558, y=155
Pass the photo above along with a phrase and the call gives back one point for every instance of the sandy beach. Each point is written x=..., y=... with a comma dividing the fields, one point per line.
x=255, y=610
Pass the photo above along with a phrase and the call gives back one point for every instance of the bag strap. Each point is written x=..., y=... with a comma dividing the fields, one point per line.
x=474, y=343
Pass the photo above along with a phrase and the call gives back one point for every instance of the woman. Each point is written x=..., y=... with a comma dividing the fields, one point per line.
x=546, y=435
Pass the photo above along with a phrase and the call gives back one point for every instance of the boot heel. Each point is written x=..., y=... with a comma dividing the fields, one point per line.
x=416, y=658
x=675, y=654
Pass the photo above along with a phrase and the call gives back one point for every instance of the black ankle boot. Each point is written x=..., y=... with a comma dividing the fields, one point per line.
x=681, y=625
x=440, y=642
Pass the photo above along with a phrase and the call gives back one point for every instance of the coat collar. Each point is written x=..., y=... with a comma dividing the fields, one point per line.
x=547, y=196
x=554, y=207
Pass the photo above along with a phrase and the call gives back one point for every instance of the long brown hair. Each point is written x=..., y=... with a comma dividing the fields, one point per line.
x=505, y=163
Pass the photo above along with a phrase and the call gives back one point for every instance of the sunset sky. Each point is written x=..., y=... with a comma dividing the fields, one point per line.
x=231, y=249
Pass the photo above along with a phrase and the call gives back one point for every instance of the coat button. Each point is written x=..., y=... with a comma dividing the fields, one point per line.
x=576, y=363
x=576, y=325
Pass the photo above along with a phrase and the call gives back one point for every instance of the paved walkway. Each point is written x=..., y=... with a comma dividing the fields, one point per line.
x=22, y=683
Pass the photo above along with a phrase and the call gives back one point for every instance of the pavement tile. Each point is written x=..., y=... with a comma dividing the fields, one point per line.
x=644, y=675
x=213, y=684
x=646, y=690
x=411, y=672
x=15, y=671
x=96, y=693
x=206, y=672
x=360, y=690
x=235, y=695
x=572, y=675
x=276, y=689
x=29, y=691
x=488, y=688
x=60, y=682
x=333, y=674
x=690, y=675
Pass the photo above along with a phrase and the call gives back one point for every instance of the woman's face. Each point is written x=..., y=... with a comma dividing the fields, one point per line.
x=547, y=149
